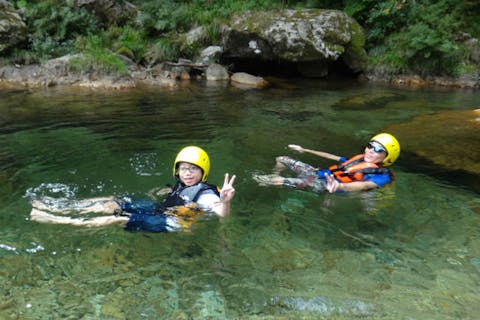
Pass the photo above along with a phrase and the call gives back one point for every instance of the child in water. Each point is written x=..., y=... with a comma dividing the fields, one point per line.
x=190, y=197
x=361, y=172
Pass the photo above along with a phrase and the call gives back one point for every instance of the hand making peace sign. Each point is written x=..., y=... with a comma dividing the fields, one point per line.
x=227, y=192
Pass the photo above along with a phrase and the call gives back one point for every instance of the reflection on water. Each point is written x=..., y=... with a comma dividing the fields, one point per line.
x=410, y=251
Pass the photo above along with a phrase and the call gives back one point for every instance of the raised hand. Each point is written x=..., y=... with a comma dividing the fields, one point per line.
x=228, y=191
x=295, y=147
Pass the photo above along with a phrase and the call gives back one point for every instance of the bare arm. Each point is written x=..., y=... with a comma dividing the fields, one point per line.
x=317, y=153
x=334, y=185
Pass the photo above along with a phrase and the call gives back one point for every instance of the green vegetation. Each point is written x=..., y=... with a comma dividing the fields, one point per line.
x=418, y=36
x=421, y=36
x=96, y=57
x=53, y=27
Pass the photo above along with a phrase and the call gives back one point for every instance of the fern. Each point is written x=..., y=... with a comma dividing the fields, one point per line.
x=54, y=26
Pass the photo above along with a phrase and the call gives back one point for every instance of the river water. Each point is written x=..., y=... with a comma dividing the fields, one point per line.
x=408, y=251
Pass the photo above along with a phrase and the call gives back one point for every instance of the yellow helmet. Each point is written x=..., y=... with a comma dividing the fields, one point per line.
x=391, y=144
x=193, y=155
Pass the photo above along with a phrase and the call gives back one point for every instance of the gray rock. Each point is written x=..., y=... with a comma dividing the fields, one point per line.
x=196, y=35
x=299, y=36
x=216, y=72
x=210, y=54
x=248, y=79
x=13, y=30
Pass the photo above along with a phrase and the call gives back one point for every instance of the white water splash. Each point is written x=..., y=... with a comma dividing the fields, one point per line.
x=144, y=164
x=51, y=189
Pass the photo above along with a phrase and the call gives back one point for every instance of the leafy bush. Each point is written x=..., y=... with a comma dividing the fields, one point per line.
x=413, y=36
x=160, y=16
x=128, y=41
x=162, y=50
x=54, y=25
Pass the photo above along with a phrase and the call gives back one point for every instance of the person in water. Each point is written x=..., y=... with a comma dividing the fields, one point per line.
x=189, y=198
x=361, y=172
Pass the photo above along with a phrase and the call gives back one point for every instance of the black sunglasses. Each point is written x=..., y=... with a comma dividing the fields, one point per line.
x=375, y=148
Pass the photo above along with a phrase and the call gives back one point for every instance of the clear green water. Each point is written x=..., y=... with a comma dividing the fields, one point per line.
x=411, y=251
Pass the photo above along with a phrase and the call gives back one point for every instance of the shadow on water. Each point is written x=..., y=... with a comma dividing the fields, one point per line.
x=460, y=179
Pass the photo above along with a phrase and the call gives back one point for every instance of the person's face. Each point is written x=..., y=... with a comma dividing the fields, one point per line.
x=374, y=152
x=189, y=174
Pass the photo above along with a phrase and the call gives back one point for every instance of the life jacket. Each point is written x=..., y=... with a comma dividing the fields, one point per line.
x=177, y=211
x=182, y=195
x=355, y=168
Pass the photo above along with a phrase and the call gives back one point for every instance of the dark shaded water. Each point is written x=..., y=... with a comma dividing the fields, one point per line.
x=410, y=251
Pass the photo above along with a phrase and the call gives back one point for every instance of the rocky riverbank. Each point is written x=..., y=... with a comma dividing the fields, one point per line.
x=57, y=72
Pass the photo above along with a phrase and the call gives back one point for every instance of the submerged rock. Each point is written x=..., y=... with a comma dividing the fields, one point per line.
x=449, y=139
x=324, y=306
x=366, y=101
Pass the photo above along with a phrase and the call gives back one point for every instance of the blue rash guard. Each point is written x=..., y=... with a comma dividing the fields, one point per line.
x=380, y=179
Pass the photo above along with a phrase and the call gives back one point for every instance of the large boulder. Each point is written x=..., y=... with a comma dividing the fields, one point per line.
x=311, y=37
x=13, y=30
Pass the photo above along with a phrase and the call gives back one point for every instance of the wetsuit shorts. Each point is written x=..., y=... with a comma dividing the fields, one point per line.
x=147, y=215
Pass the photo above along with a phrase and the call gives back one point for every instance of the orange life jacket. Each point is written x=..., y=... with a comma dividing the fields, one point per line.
x=355, y=168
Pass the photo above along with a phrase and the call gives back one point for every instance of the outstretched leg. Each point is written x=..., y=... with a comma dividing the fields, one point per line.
x=268, y=179
x=276, y=180
x=45, y=217
x=306, y=174
x=299, y=167
x=106, y=205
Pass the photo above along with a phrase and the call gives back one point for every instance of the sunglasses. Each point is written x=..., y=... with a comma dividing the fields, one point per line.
x=376, y=148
